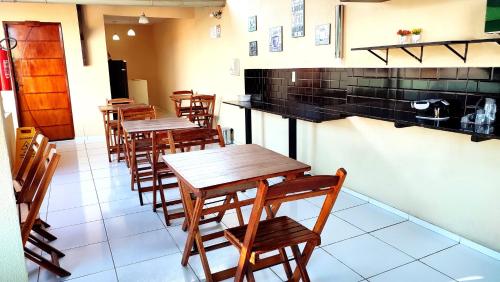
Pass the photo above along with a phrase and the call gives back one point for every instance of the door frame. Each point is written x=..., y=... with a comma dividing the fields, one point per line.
x=11, y=65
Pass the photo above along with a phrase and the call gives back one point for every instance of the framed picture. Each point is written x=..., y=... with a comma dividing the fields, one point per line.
x=322, y=36
x=252, y=23
x=253, y=49
x=276, y=39
x=298, y=21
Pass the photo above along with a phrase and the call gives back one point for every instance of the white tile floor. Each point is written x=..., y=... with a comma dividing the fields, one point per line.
x=107, y=236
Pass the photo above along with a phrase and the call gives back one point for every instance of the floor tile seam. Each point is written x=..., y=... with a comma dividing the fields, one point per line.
x=73, y=225
x=145, y=260
x=104, y=223
x=394, y=247
x=419, y=260
x=349, y=223
x=385, y=271
x=73, y=207
x=332, y=255
x=136, y=234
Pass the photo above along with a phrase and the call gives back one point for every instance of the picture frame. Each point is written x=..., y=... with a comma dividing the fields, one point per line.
x=252, y=23
x=276, y=39
x=298, y=18
x=253, y=49
x=323, y=34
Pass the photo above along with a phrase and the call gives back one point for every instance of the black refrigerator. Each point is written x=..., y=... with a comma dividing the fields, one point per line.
x=118, y=78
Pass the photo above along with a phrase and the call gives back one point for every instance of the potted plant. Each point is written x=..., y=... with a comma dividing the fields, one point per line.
x=416, y=35
x=403, y=35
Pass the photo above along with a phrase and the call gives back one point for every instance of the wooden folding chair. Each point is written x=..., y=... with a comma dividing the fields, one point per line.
x=141, y=112
x=201, y=110
x=277, y=233
x=24, y=174
x=137, y=147
x=29, y=216
x=119, y=101
x=184, y=140
x=111, y=124
x=179, y=98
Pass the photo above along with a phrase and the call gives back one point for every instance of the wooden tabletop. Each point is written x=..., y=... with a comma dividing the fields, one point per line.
x=161, y=124
x=115, y=108
x=228, y=166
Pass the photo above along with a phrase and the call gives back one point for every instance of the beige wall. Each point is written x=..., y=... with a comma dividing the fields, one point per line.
x=440, y=177
x=89, y=85
x=139, y=52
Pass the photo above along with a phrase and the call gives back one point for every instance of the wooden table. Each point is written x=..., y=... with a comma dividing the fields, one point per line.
x=133, y=128
x=156, y=125
x=217, y=172
x=109, y=119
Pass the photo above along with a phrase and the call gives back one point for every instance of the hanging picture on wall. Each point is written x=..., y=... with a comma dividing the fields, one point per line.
x=252, y=23
x=276, y=39
x=298, y=21
x=322, y=36
x=252, y=48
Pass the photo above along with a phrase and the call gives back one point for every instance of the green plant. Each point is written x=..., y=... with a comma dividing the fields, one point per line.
x=416, y=31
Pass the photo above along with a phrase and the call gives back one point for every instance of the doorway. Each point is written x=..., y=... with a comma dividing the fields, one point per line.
x=41, y=83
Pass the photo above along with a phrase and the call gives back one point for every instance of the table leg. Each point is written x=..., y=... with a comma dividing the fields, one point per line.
x=193, y=231
x=248, y=126
x=292, y=138
x=106, y=132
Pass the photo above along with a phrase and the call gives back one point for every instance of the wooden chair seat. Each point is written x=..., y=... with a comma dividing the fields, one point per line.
x=272, y=234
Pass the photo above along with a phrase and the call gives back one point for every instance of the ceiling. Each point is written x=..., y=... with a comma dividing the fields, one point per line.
x=129, y=20
x=163, y=3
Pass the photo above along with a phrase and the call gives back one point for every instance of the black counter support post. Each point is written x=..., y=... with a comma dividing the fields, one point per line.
x=292, y=138
x=248, y=126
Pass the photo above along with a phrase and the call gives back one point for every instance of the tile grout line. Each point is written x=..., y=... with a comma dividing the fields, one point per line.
x=102, y=218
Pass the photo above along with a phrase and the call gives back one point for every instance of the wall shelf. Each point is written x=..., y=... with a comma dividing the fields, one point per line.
x=419, y=57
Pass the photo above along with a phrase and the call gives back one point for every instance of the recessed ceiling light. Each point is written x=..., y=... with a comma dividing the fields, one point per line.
x=131, y=32
x=116, y=37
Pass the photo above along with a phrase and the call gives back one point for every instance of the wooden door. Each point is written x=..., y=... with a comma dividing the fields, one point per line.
x=42, y=90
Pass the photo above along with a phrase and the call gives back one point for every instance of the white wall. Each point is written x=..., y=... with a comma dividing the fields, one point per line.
x=441, y=177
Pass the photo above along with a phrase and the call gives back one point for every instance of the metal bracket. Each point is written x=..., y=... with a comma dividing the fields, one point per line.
x=401, y=125
x=386, y=60
x=476, y=138
x=413, y=55
x=464, y=56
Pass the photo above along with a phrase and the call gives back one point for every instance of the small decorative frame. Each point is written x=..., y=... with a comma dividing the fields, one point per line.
x=298, y=18
x=252, y=23
x=322, y=36
x=253, y=49
x=276, y=39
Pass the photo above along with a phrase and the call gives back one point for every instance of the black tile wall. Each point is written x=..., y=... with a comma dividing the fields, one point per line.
x=380, y=93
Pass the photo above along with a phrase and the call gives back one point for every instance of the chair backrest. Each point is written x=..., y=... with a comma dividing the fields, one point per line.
x=185, y=139
x=301, y=188
x=201, y=109
x=178, y=97
x=183, y=92
x=137, y=113
x=25, y=172
x=119, y=101
x=43, y=177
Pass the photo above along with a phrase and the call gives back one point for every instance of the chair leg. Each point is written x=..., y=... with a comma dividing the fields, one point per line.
x=249, y=274
x=163, y=203
x=286, y=264
x=300, y=263
x=239, y=214
x=155, y=189
x=45, y=263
